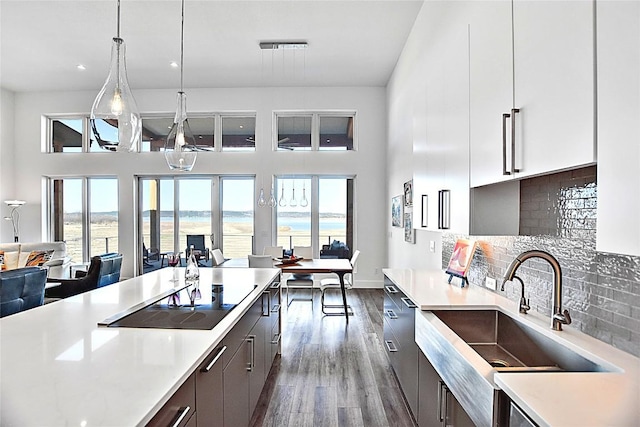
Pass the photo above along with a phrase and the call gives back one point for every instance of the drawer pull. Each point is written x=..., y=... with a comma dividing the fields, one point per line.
x=408, y=302
x=276, y=339
x=391, y=314
x=391, y=289
x=274, y=285
x=182, y=416
x=391, y=347
x=251, y=364
x=214, y=360
x=276, y=308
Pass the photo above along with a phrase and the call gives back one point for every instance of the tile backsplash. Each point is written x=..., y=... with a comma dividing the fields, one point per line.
x=558, y=215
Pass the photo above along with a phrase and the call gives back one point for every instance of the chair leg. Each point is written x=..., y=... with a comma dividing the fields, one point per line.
x=349, y=312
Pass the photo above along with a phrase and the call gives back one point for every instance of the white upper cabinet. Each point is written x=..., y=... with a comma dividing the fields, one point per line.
x=441, y=117
x=532, y=65
x=618, y=225
x=491, y=86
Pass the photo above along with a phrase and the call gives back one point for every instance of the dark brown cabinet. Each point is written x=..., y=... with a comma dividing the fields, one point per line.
x=246, y=372
x=399, y=340
x=179, y=409
x=437, y=407
x=209, y=389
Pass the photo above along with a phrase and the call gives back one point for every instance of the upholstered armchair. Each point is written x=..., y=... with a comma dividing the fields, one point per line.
x=21, y=289
x=103, y=270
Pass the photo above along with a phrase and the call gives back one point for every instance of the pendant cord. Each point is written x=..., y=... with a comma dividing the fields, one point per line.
x=182, y=47
x=118, y=28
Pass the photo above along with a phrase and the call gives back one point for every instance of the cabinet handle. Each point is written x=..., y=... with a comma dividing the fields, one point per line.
x=391, y=346
x=505, y=116
x=391, y=289
x=265, y=313
x=276, y=308
x=214, y=360
x=391, y=314
x=276, y=339
x=181, y=416
x=513, y=140
x=274, y=285
x=442, y=401
x=251, y=339
x=408, y=302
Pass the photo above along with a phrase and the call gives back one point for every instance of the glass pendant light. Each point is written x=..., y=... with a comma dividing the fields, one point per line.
x=282, y=202
x=293, y=203
x=115, y=103
x=180, y=147
x=272, y=200
x=262, y=202
x=304, y=202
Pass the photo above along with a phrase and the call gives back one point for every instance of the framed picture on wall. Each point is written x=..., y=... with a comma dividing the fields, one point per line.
x=397, y=211
x=408, y=193
x=409, y=233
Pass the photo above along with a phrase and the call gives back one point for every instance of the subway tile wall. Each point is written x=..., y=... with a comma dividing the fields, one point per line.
x=558, y=215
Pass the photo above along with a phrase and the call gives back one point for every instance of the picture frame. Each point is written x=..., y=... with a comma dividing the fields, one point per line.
x=408, y=193
x=397, y=211
x=409, y=232
x=424, y=220
x=460, y=260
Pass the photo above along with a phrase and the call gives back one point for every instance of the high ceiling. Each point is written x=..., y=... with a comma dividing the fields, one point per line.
x=350, y=43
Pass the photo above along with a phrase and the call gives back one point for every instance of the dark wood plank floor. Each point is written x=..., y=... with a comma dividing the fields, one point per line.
x=331, y=373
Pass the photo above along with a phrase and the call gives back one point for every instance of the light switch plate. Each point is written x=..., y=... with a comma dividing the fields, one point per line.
x=432, y=245
x=490, y=283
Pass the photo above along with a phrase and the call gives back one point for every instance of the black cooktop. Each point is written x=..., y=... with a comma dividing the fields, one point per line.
x=175, y=310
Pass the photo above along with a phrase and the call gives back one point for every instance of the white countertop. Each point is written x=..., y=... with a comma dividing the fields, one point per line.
x=550, y=399
x=58, y=367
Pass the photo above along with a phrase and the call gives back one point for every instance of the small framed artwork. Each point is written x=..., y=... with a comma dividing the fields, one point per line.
x=408, y=193
x=409, y=232
x=397, y=211
x=461, y=259
x=424, y=222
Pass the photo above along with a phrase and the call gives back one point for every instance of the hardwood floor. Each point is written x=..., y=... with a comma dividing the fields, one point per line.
x=332, y=373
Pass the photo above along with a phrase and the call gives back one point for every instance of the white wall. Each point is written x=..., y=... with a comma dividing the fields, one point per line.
x=367, y=163
x=406, y=95
x=6, y=162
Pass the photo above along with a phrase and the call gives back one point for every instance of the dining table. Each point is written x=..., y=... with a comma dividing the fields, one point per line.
x=337, y=266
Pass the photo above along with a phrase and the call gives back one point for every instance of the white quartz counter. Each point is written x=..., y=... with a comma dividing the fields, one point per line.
x=550, y=399
x=58, y=367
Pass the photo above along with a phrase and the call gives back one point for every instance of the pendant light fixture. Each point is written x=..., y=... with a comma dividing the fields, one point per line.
x=180, y=147
x=262, y=202
x=303, y=201
x=293, y=203
x=282, y=202
x=115, y=103
x=272, y=200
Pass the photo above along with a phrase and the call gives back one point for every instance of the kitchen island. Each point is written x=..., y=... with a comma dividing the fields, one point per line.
x=610, y=398
x=58, y=367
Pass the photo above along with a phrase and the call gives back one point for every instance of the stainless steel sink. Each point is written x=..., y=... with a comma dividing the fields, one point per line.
x=509, y=345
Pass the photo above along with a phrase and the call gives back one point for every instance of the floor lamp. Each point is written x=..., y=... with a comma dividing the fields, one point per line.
x=14, y=217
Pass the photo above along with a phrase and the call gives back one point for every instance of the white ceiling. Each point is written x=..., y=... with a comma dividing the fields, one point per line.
x=351, y=43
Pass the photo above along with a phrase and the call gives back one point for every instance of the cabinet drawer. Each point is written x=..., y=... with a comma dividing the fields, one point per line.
x=180, y=407
x=238, y=333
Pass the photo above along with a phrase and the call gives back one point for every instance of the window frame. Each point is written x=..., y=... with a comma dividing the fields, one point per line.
x=316, y=115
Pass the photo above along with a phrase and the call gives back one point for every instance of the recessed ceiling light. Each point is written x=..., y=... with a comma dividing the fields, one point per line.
x=241, y=127
x=173, y=64
x=81, y=67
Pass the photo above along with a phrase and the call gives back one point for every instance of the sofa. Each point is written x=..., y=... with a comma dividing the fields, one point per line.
x=103, y=270
x=21, y=289
x=52, y=255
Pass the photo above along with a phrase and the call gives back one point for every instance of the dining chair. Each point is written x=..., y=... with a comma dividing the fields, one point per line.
x=260, y=261
x=301, y=281
x=333, y=283
x=218, y=257
x=274, y=251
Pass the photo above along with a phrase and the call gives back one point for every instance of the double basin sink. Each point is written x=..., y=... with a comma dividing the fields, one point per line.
x=511, y=346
